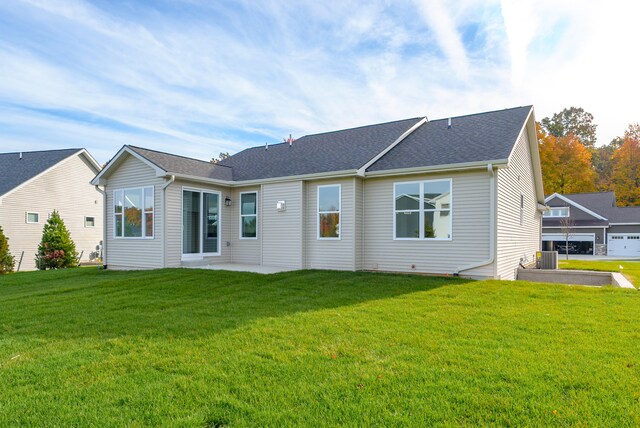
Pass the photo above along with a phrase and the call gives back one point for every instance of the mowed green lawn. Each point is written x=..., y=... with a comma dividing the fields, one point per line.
x=169, y=347
x=630, y=269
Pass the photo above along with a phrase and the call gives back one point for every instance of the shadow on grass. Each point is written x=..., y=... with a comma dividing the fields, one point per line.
x=181, y=302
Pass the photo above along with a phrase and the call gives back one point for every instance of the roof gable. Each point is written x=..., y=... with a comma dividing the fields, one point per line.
x=569, y=200
x=478, y=137
x=18, y=168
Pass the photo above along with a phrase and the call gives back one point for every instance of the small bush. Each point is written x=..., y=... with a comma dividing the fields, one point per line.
x=7, y=261
x=56, y=250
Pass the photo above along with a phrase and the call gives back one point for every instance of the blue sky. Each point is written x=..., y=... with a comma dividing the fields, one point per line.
x=198, y=77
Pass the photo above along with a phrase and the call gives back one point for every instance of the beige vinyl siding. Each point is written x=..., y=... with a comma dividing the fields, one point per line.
x=358, y=221
x=335, y=254
x=244, y=250
x=134, y=253
x=64, y=188
x=282, y=237
x=173, y=248
x=470, y=228
x=517, y=241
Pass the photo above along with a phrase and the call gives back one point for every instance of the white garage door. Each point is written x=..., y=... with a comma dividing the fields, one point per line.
x=623, y=244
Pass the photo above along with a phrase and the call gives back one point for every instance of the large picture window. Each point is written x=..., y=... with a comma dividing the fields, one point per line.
x=133, y=213
x=249, y=215
x=422, y=210
x=329, y=211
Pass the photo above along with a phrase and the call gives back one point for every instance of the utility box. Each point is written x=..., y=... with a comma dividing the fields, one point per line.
x=547, y=260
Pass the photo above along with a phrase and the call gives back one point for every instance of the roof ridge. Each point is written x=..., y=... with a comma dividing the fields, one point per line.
x=177, y=156
x=481, y=113
x=43, y=151
x=336, y=131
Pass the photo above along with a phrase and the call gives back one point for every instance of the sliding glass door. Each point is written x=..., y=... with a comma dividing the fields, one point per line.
x=200, y=224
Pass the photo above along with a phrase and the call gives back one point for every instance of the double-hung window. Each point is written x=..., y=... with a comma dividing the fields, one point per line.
x=422, y=210
x=248, y=215
x=329, y=211
x=133, y=213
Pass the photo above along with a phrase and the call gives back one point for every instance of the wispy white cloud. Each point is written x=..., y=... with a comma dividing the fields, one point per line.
x=439, y=19
x=199, y=77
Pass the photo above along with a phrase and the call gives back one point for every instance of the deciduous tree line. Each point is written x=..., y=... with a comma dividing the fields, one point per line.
x=572, y=163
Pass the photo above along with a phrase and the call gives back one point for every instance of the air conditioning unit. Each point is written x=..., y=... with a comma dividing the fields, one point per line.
x=547, y=260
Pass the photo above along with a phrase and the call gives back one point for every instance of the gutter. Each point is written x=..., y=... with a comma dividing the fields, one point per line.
x=492, y=225
x=104, y=225
x=167, y=183
x=466, y=166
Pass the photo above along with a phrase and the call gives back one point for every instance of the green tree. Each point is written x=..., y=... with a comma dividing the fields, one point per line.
x=56, y=250
x=572, y=120
x=7, y=261
x=602, y=160
x=222, y=156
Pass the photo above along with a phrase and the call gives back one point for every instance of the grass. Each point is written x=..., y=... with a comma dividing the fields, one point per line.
x=88, y=347
x=630, y=269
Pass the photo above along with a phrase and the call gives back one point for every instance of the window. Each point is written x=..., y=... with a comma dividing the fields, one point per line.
x=422, y=210
x=557, y=212
x=33, y=218
x=521, y=208
x=133, y=213
x=329, y=211
x=89, y=222
x=248, y=215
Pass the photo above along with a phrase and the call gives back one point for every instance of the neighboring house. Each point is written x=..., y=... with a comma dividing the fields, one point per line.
x=33, y=184
x=459, y=196
x=595, y=224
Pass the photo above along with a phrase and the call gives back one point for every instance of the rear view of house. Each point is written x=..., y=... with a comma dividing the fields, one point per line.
x=34, y=184
x=459, y=195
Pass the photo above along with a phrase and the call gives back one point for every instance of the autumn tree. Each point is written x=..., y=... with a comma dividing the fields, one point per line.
x=566, y=164
x=626, y=168
x=572, y=120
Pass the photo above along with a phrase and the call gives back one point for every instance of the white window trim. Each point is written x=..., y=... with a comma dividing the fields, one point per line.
x=248, y=215
x=339, y=212
x=26, y=217
x=200, y=255
x=144, y=223
x=94, y=220
x=421, y=210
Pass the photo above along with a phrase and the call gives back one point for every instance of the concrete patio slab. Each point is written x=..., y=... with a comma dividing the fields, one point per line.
x=239, y=267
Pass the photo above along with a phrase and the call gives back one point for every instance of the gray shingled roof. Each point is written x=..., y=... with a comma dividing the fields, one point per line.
x=604, y=203
x=348, y=149
x=473, y=138
x=15, y=171
x=183, y=165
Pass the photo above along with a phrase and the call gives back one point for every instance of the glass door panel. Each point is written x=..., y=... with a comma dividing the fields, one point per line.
x=210, y=222
x=190, y=222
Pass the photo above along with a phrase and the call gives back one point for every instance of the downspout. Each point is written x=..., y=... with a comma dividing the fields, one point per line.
x=492, y=229
x=167, y=183
x=104, y=225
